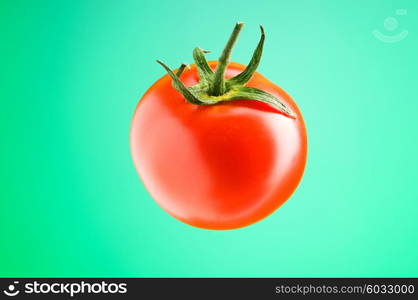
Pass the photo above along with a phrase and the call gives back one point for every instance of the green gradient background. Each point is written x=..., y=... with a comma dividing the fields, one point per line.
x=71, y=203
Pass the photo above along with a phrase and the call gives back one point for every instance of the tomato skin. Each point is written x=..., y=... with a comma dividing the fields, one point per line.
x=221, y=166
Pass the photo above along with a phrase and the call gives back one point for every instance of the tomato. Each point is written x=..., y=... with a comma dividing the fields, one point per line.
x=220, y=166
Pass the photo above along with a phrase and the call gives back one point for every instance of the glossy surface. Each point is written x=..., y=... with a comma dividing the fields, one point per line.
x=223, y=166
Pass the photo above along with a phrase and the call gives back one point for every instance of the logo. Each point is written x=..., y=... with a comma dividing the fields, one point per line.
x=11, y=289
x=391, y=25
x=70, y=288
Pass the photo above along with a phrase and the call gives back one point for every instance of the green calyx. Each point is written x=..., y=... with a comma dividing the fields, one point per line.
x=213, y=88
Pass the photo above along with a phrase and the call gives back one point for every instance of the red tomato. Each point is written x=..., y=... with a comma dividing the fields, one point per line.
x=219, y=166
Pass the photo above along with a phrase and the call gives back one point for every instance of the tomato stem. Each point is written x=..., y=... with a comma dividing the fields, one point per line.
x=246, y=75
x=218, y=85
x=213, y=88
x=205, y=72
